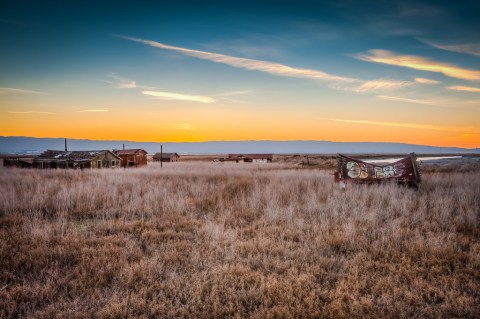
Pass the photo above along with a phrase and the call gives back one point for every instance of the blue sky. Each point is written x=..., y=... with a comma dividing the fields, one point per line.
x=283, y=70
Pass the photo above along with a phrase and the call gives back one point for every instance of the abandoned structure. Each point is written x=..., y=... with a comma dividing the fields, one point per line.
x=16, y=160
x=166, y=157
x=132, y=157
x=352, y=170
x=250, y=158
x=77, y=159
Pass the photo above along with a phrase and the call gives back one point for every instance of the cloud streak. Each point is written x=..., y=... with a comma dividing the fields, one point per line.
x=91, y=110
x=464, y=88
x=278, y=69
x=442, y=102
x=29, y=112
x=233, y=93
x=335, y=82
x=394, y=124
x=380, y=85
x=426, y=81
x=249, y=64
x=227, y=96
x=467, y=48
x=121, y=82
x=20, y=91
x=419, y=63
x=179, y=96
x=402, y=99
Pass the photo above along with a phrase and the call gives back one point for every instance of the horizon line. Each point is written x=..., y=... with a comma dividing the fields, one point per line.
x=240, y=141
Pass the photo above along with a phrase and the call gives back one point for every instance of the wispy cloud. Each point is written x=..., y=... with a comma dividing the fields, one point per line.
x=464, y=88
x=29, y=112
x=437, y=102
x=249, y=64
x=419, y=63
x=380, y=85
x=227, y=96
x=335, y=81
x=121, y=82
x=252, y=46
x=402, y=99
x=233, y=93
x=468, y=48
x=179, y=96
x=426, y=81
x=20, y=91
x=91, y=110
x=395, y=124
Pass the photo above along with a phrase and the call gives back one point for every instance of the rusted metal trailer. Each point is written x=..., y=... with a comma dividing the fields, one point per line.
x=404, y=171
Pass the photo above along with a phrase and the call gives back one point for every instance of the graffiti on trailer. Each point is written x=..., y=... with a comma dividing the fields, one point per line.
x=355, y=170
x=361, y=170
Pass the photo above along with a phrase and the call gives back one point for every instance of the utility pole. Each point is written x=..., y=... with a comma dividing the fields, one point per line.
x=161, y=155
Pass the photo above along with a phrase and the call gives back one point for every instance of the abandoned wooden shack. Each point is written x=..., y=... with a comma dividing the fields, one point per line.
x=166, y=157
x=250, y=158
x=77, y=159
x=132, y=157
x=16, y=160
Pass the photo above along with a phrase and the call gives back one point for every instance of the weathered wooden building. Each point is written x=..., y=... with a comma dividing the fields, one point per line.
x=250, y=158
x=132, y=157
x=77, y=159
x=166, y=157
x=16, y=160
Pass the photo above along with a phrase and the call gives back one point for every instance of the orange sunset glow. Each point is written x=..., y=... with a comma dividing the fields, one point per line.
x=141, y=83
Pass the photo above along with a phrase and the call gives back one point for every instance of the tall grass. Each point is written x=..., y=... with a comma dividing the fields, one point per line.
x=217, y=240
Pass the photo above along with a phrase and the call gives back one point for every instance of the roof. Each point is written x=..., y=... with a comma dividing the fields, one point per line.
x=71, y=155
x=250, y=156
x=16, y=156
x=165, y=155
x=132, y=151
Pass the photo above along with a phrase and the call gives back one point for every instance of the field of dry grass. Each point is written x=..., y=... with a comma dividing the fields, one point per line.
x=211, y=240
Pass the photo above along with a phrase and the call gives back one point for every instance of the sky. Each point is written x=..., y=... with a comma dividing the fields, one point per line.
x=193, y=71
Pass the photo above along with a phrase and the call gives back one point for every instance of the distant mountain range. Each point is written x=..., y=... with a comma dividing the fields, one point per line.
x=31, y=145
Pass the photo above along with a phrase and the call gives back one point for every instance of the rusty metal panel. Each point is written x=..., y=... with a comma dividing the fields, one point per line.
x=354, y=170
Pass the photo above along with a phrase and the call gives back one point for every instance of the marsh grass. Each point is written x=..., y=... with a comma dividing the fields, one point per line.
x=210, y=240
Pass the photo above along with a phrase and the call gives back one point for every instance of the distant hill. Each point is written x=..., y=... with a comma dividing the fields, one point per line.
x=31, y=145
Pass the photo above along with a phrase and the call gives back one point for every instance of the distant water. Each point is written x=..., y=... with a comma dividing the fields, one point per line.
x=421, y=158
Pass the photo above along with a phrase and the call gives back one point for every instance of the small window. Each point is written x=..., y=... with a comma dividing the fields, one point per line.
x=99, y=164
x=114, y=163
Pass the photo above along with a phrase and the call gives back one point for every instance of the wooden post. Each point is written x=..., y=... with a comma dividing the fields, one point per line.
x=413, y=158
x=124, y=147
x=308, y=162
x=161, y=156
x=65, y=145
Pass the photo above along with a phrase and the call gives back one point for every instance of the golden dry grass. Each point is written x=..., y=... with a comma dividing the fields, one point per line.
x=215, y=240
